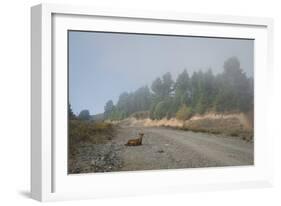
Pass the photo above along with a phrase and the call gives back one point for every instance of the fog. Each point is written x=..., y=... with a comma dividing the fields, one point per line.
x=103, y=65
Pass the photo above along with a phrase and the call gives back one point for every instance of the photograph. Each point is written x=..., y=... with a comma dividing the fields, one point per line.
x=139, y=101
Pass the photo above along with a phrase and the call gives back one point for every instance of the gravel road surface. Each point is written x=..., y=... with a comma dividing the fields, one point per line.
x=165, y=148
x=162, y=148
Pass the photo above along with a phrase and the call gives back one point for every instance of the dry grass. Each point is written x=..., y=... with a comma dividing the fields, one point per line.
x=89, y=131
x=233, y=124
x=230, y=126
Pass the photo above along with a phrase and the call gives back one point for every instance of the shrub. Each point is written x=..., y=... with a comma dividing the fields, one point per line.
x=84, y=115
x=141, y=114
x=160, y=110
x=184, y=113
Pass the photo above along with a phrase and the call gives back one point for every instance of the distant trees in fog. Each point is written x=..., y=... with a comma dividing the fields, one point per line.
x=201, y=92
x=71, y=115
x=128, y=103
x=84, y=115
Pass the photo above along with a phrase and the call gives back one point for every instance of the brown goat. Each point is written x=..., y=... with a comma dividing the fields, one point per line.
x=135, y=142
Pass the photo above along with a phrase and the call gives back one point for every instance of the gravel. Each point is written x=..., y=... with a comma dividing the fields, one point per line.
x=162, y=148
x=165, y=148
x=94, y=158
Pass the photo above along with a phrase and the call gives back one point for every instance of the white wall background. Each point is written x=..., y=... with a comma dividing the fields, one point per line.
x=15, y=101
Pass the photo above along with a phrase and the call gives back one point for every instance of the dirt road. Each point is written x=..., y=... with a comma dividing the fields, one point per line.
x=167, y=148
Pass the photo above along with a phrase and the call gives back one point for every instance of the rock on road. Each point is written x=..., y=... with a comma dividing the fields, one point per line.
x=165, y=148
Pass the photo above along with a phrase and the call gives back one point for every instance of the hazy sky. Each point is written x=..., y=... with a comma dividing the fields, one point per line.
x=103, y=65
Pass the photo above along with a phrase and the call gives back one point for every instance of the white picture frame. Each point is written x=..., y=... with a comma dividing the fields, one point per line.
x=49, y=179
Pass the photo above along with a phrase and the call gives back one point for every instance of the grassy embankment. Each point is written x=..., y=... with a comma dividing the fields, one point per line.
x=90, y=131
x=231, y=124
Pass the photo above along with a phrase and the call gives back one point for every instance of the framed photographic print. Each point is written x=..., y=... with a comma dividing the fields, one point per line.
x=137, y=102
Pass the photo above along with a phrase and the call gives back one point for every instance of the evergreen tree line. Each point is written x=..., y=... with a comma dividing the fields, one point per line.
x=201, y=92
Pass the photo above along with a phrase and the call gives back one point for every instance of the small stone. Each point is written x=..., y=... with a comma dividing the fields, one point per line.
x=93, y=162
